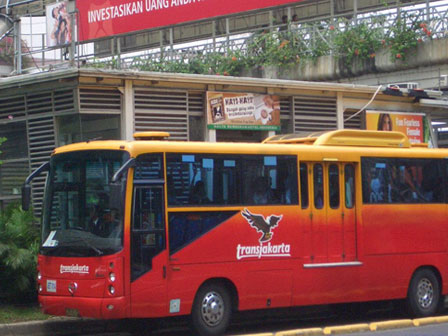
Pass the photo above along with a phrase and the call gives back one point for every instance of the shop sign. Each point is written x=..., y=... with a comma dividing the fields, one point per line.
x=101, y=18
x=411, y=124
x=243, y=111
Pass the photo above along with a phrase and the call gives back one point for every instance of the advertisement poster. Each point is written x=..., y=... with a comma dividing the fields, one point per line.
x=100, y=18
x=414, y=125
x=243, y=111
x=58, y=24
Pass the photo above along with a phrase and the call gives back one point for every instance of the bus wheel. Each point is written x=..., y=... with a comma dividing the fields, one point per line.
x=424, y=297
x=211, y=310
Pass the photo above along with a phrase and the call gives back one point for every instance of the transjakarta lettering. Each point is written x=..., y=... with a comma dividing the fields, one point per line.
x=84, y=269
x=260, y=251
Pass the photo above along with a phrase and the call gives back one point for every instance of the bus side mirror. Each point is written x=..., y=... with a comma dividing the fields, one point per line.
x=26, y=197
x=116, y=195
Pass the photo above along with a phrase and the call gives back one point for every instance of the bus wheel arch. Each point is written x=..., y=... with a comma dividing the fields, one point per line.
x=424, y=297
x=214, y=302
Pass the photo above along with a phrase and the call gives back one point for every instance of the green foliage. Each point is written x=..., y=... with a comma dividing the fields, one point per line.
x=405, y=35
x=19, y=244
x=275, y=48
x=357, y=41
x=345, y=39
x=21, y=313
x=2, y=140
x=228, y=64
x=321, y=42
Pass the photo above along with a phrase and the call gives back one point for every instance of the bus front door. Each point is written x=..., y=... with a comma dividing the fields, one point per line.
x=149, y=255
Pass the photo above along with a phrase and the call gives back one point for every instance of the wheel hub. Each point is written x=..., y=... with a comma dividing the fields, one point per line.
x=425, y=293
x=212, y=309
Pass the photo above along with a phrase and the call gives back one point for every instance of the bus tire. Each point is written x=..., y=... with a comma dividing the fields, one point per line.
x=424, y=298
x=212, y=309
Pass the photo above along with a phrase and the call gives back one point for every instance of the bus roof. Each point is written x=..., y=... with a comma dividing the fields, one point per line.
x=356, y=142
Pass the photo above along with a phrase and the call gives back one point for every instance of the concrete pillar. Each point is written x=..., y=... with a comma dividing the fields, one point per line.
x=127, y=115
x=210, y=135
x=339, y=110
x=18, y=46
x=213, y=23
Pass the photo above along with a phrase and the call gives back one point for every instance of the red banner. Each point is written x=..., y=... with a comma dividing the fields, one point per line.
x=100, y=18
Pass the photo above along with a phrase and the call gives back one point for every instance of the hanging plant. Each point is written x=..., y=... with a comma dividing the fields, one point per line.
x=359, y=41
x=405, y=35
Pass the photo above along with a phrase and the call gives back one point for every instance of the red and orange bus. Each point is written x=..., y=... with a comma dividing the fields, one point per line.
x=154, y=228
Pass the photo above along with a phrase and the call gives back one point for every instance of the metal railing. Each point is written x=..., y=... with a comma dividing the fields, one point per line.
x=311, y=33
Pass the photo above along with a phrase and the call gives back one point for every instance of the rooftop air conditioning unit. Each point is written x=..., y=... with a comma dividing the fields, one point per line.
x=409, y=86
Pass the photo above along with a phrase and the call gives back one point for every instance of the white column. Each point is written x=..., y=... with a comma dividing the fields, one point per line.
x=210, y=135
x=127, y=115
x=339, y=111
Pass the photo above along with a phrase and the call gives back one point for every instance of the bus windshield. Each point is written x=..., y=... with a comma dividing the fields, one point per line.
x=78, y=217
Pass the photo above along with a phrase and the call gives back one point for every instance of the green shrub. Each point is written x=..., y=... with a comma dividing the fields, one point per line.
x=357, y=41
x=405, y=36
x=19, y=244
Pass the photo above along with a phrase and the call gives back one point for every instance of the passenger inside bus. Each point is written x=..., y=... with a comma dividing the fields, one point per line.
x=262, y=193
x=376, y=187
x=95, y=224
x=198, y=194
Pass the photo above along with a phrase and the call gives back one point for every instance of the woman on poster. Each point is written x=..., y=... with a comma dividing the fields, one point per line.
x=385, y=122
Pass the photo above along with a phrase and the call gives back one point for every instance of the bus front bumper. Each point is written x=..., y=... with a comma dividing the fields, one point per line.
x=101, y=308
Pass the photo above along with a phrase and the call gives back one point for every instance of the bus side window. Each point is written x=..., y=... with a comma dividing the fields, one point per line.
x=318, y=184
x=402, y=181
x=349, y=185
x=333, y=178
x=304, y=185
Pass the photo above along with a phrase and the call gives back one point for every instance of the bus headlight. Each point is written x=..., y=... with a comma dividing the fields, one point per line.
x=40, y=288
x=39, y=276
x=112, y=277
x=111, y=290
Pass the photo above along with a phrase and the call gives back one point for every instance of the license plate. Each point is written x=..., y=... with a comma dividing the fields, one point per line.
x=71, y=312
x=51, y=286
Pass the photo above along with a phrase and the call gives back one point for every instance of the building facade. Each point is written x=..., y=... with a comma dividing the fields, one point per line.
x=39, y=112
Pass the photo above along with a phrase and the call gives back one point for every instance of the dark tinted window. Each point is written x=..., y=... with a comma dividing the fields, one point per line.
x=304, y=185
x=270, y=179
x=333, y=178
x=387, y=180
x=349, y=185
x=148, y=167
x=148, y=228
x=318, y=184
x=207, y=179
x=201, y=179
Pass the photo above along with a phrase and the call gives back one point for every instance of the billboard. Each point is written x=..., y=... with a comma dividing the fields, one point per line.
x=58, y=24
x=100, y=18
x=243, y=111
x=411, y=124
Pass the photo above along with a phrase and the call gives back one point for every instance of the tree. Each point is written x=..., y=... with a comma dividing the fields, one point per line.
x=19, y=244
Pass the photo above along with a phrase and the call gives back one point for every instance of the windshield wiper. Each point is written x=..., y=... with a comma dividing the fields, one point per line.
x=88, y=244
